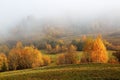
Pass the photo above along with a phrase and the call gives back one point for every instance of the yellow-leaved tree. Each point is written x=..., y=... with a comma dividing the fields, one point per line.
x=32, y=57
x=48, y=47
x=14, y=56
x=46, y=60
x=26, y=57
x=95, y=51
x=99, y=52
x=70, y=57
x=86, y=57
x=3, y=62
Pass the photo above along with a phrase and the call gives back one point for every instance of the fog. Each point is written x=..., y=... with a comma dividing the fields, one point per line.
x=14, y=13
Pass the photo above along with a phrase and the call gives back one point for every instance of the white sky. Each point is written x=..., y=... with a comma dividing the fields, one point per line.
x=14, y=10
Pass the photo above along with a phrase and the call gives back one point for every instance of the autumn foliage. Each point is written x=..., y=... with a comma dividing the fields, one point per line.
x=95, y=51
x=99, y=53
x=117, y=55
x=54, y=47
x=25, y=57
x=69, y=58
x=46, y=60
x=3, y=62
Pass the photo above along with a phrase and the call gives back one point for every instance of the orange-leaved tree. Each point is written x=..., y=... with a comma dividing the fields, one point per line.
x=68, y=58
x=86, y=56
x=99, y=52
x=14, y=56
x=3, y=62
x=46, y=60
x=95, y=51
x=24, y=57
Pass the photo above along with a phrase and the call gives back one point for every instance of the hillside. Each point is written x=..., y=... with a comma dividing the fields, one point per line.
x=59, y=39
x=66, y=72
x=114, y=37
x=34, y=28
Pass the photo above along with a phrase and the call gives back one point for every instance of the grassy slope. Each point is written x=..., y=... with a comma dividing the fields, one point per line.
x=66, y=72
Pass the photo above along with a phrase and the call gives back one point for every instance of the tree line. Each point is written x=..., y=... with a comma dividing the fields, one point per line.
x=23, y=57
x=20, y=57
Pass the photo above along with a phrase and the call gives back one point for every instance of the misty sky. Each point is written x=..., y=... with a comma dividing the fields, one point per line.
x=12, y=11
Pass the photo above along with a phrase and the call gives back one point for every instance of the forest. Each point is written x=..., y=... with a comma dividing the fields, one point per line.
x=21, y=56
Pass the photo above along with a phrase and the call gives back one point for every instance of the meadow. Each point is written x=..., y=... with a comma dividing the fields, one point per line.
x=66, y=72
x=89, y=71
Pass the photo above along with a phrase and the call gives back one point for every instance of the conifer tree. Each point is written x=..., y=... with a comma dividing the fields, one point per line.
x=95, y=51
x=99, y=53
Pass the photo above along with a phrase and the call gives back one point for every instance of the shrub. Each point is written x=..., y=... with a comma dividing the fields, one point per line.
x=24, y=57
x=61, y=59
x=84, y=59
x=46, y=60
x=71, y=58
x=68, y=58
x=3, y=62
x=113, y=61
x=117, y=55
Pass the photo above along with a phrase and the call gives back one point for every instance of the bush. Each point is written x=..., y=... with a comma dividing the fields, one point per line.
x=46, y=60
x=61, y=59
x=56, y=49
x=71, y=58
x=117, y=55
x=113, y=61
x=68, y=58
x=3, y=62
x=84, y=59
x=24, y=57
x=79, y=44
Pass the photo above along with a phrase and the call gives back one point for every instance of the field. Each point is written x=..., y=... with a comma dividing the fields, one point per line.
x=90, y=71
x=66, y=72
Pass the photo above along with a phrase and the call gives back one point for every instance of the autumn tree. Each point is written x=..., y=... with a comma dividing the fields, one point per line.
x=33, y=57
x=3, y=62
x=57, y=49
x=4, y=49
x=55, y=46
x=95, y=51
x=78, y=43
x=64, y=48
x=99, y=52
x=24, y=57
x=19, y=45
x=71, y=56
x=61, y=42
x=46, y=60
x=72, y=49
x=61, y=59
x=48, y=47
x=14, y=56
x=117, y=55
x=68, y=58
x=86, y=56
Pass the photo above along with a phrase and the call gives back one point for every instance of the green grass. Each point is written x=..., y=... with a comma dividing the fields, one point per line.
x=66, y=72
x=110, y=54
